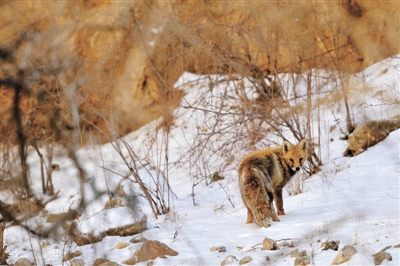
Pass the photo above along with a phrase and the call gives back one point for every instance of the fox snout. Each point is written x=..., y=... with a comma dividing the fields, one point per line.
x=295, y=164
x=295, y=168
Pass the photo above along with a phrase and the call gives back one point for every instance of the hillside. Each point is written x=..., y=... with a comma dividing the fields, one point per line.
x=353, y=200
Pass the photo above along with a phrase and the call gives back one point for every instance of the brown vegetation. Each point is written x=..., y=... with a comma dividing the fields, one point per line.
x=117, y=62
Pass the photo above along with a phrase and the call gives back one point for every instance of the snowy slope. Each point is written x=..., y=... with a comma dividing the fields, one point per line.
x=354, y=200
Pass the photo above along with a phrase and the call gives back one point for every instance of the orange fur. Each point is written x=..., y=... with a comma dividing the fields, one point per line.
x=263, y=174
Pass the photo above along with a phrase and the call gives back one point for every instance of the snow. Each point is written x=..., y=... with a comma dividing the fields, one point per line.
x=354, y=200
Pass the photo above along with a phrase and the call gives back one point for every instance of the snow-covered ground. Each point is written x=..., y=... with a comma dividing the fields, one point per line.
x=354, y=200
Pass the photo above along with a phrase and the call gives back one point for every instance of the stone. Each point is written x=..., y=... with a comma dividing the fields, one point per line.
x=344, y=254
x=245, y=260
x=104, y=262
x=121, y=245
x=381, y=256
x=296, y=253
x=152, y=249
x=77, y=262
x=130, y=261
x=137, y=240
x=334, y=245
x=23, y=262
x=44, y=244
x=228, y=260
x=301, y=261
x=216, y=177
x=219, y=249
x=287, y=243
x=269, y=244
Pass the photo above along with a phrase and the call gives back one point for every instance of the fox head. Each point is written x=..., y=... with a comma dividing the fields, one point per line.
x=295, y=155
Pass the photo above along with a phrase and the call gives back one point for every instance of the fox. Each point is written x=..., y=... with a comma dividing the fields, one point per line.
x=263, y=174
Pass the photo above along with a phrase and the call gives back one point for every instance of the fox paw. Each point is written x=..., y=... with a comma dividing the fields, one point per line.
x=275, y=218
x=263, y=222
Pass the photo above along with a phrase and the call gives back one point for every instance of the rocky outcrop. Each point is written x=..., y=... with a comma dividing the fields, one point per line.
x=370, y=134
x=106, y=68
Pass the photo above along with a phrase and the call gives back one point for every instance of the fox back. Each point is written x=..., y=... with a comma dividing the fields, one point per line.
x=263, y=174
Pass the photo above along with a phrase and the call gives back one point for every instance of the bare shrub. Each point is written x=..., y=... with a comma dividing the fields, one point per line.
x=156, y=188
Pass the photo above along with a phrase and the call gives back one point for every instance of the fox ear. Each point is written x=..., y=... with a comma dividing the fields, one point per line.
x=287, y=146
x=303, y=145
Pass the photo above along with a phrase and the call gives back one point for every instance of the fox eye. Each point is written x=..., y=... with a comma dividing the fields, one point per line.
x=301, y=159
x=291, y=160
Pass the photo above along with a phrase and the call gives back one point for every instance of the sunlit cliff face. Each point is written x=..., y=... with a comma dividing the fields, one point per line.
x=115, y=64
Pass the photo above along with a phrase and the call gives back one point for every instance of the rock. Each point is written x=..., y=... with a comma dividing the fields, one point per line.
x=344, y=254
x=370, y=134
x=269, y=244
x=381, y=256
x=137, y=240
x=296, y=254
x=301, y=261
x=219, y=249
x=378, y=258
x=287, y=243
x=152, y=249
x=228, y=260
x=44, y=244
x=300, y=257
x=245, y=260
x=23, y=262
x=334, y=245
x=121, y=245
x=104, y=262
x=77, y=262
x=216, y=177
x=130, y=261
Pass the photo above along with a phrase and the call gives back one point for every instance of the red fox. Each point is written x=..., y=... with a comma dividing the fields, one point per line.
x=263, y=174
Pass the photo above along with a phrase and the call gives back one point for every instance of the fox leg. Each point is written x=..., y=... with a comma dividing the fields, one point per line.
x=279, y=201
x=272, y=211
x=274, y=216
x=249, y=216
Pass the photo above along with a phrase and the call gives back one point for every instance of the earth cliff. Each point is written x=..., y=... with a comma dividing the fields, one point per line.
x=107, y=68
